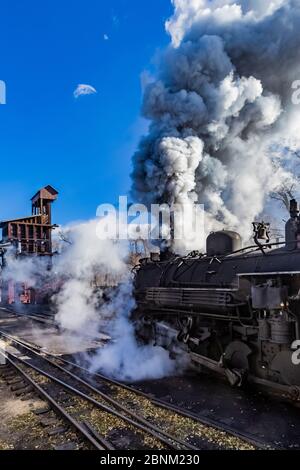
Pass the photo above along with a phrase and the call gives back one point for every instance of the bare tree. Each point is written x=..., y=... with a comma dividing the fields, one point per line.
x=284, y=195
x=64, y=238
x=288, y=189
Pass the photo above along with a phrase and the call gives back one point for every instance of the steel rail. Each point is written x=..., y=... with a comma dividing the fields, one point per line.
x=46, y=319
x=181, y=411
x=103, y=395
x=137, y=422
x=157, y=402
x=99, y=443
x=225, y=428
x=163, y=404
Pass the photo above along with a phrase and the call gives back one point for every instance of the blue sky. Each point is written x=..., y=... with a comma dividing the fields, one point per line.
x=82, y=147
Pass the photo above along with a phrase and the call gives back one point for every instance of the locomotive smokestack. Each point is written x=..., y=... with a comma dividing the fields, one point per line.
x=166, y=252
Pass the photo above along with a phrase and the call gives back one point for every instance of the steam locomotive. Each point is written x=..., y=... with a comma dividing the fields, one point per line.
x=233, y=311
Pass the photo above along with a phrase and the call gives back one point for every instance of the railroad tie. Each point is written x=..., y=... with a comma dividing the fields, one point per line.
x=57, y=431
x=46, y=422
x=9, y=376
x=67, y=446
x=42, y=411
x=27, y=397
x=19, y=386
x=27, y=389
x=14, y=381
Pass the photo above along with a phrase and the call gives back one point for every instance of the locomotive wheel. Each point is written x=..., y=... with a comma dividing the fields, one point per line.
x=237, y=356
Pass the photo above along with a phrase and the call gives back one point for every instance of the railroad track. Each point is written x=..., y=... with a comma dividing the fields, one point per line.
x=12, y=372
x=81, y=405
x=44, y=318
x=118, y=398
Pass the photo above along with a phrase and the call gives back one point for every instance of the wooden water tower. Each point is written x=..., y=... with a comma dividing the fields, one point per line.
x=33, y=235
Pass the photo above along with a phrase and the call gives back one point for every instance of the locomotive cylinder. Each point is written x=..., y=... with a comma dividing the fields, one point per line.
x=281, y=330
x=264, y=330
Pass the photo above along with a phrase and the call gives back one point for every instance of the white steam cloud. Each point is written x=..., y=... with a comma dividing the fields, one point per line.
x=82, y=90
x=83, y=311
x=80, y=262
x=85, y=308
x=23, y=269
x=123, y=358
x=223, y=125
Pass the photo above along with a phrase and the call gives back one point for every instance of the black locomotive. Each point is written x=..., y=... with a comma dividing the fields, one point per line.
x=234, y=311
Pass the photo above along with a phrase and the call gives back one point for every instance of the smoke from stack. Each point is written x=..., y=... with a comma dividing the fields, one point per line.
x=222, y=123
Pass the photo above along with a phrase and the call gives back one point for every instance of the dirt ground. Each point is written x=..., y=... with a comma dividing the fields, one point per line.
x=20, y=427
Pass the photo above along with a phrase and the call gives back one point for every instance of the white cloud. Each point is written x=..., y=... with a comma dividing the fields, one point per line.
x=84, y=90
x=116, y=21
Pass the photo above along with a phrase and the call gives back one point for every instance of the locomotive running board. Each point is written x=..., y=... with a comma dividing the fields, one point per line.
x=274, y=273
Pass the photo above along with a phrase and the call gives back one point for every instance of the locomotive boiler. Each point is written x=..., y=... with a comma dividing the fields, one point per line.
x=233, y=311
